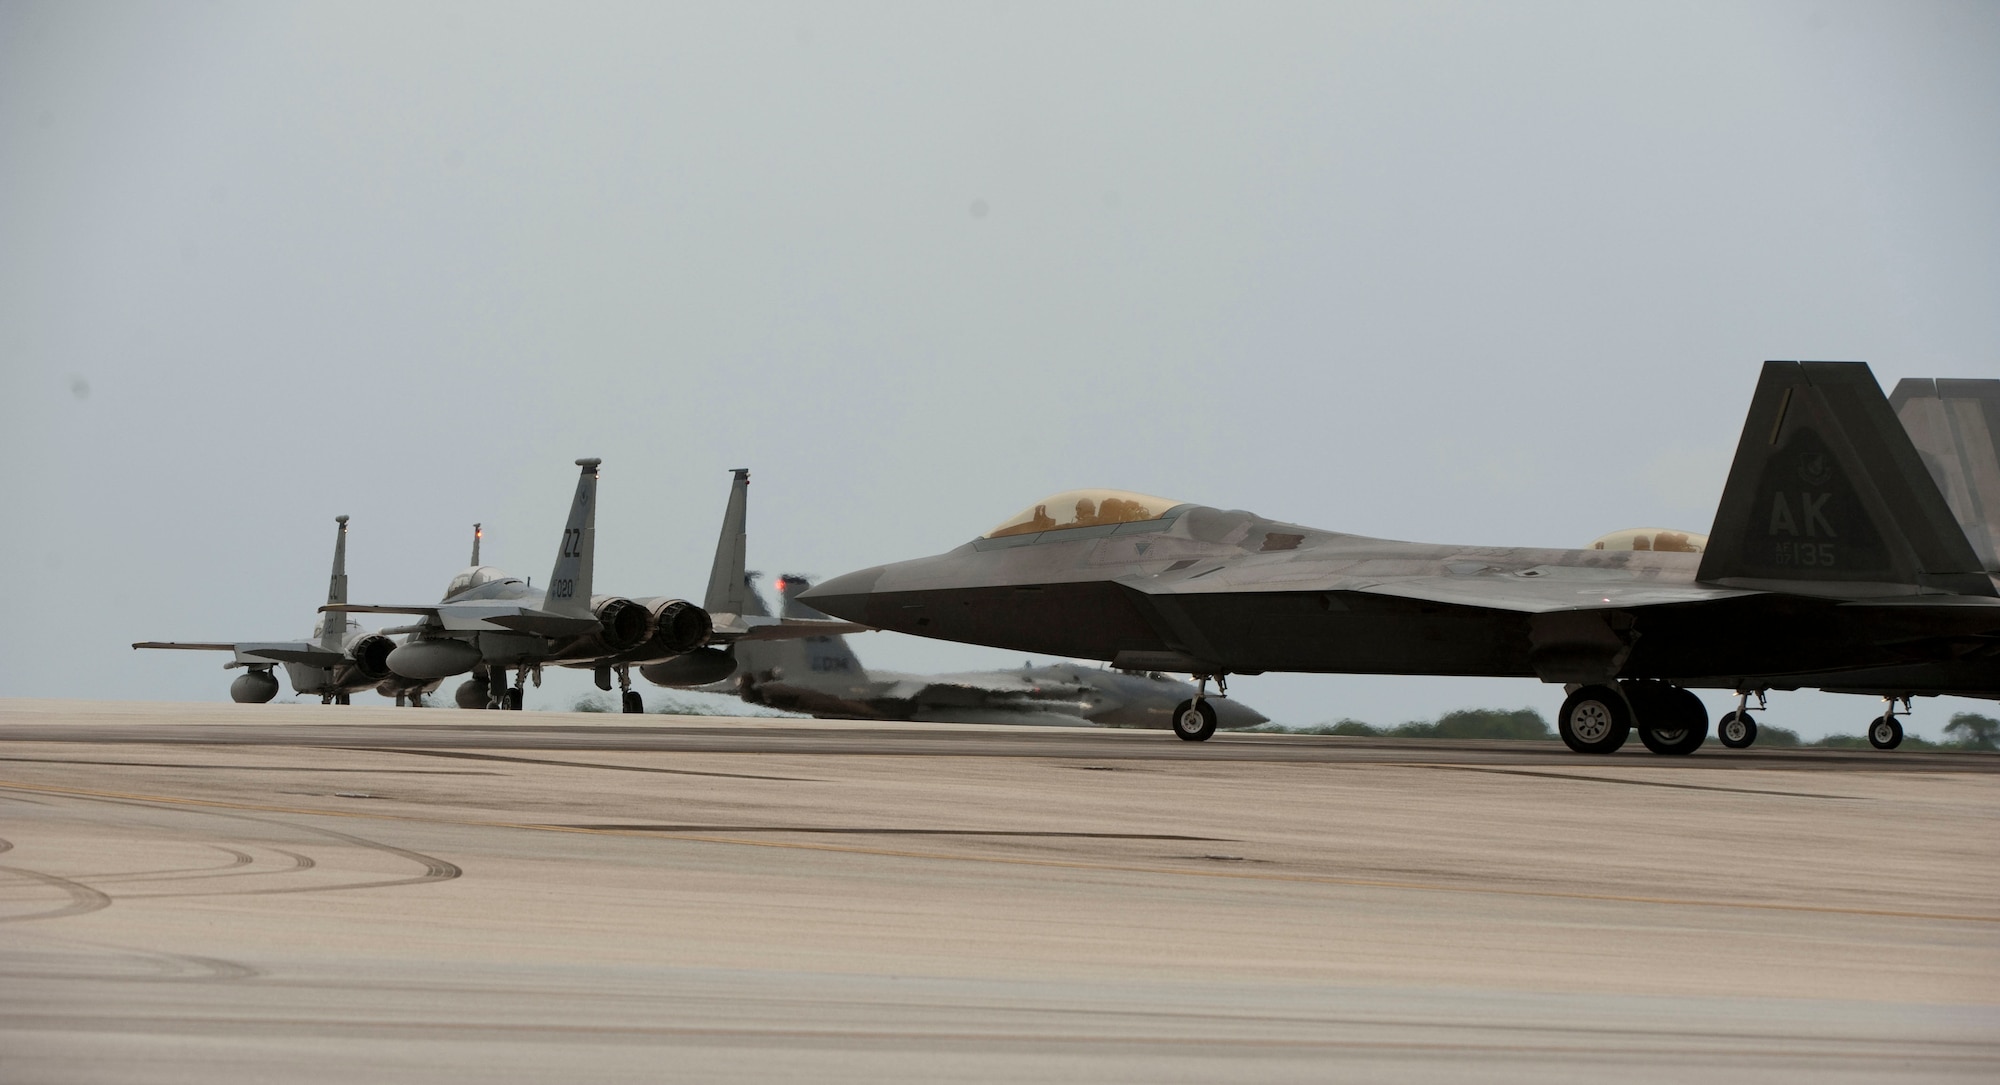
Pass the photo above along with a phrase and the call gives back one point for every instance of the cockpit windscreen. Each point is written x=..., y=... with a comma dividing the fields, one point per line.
x=1084, y=508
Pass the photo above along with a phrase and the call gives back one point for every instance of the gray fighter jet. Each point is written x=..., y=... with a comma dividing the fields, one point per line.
x=821, y=676
x=1835, y=562
x=489, y=622
x=340, y=660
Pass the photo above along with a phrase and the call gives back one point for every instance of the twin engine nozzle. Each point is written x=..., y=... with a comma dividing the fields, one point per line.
x=663, y=627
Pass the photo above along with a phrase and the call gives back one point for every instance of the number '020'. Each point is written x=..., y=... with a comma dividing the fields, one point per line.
x=562, y=588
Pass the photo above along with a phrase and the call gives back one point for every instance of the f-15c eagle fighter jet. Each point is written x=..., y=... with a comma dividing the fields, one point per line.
x=340, y=660
x=489, y=622
x=1836, y=562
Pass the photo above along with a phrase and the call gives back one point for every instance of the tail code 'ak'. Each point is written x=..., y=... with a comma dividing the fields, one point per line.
x=1827, y=494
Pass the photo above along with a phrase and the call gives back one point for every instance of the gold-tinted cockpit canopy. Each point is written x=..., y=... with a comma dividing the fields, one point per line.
x=1083, y=508
x=1652, y=538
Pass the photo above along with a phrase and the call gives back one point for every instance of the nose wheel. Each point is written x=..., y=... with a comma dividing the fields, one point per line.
x=1737, y=729
x=1194, y=719
x=1886, y=733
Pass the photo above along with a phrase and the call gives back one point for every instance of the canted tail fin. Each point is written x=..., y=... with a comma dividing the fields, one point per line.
x=823, y=656
x=569, y=581
x=1826, y=489
x=1955, y=426
x=728, y=589
x=331, y=625
x=478, y=533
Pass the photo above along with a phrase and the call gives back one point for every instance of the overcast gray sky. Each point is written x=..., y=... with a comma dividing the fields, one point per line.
x=1476, y=273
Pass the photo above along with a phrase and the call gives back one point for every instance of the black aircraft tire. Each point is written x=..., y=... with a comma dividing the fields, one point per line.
x=514, y=698
x=634, y=704
x=1194, y=722
x=1594, y=719
x=1673, y=722
x=1737, y=730
x=1886, y=733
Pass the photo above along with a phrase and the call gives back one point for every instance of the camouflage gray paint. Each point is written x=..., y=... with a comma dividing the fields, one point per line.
x=340, y=660
x=1834, y=563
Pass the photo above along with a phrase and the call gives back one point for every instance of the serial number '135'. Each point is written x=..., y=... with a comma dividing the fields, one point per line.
x=1804, y=553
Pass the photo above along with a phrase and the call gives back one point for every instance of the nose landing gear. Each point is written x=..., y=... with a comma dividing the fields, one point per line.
x=1886, y=733
x=1194, y=720
x=1738, y=729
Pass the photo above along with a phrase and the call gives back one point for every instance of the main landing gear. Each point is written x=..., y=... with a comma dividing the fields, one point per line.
x=1597, y=719
x=628, y=698
x=1194, y=720
x=503, y=696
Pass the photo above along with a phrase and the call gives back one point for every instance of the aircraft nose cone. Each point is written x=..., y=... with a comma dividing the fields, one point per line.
x=1230, y=714
x=845, y=596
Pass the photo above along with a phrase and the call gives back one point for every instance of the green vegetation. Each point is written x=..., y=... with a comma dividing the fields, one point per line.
x=1974, y=732
x=1520, y=723
x=1966, y=731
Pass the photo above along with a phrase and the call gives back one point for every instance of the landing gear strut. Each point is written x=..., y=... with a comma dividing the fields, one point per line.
x=1738, y=729
x=1886, y=733
x=1194, y=720
x=627, y=696
x=505, y=697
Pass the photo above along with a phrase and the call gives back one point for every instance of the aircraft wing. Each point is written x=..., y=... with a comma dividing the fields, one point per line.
x=734, y=627
x=186, y=645
x=1013, y=717
x=482, y=616
x=1539, y=590
x=270, y=651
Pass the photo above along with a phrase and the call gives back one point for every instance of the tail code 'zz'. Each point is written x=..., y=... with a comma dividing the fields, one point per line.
x=1826, y=488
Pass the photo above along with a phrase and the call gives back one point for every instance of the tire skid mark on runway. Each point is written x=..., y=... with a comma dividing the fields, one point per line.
x=1807, y=1047
x=237, y=859
x=244, y=768
x=866, y=831
x=435, y=869
x=1062, y=864
x=1580, y=777
x=575, y=764
x=82, y=898
x=171, y=967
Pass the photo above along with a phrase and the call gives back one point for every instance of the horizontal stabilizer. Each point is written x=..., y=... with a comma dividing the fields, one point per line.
x=752, y=628
x=544, y=623
x=1828, y=496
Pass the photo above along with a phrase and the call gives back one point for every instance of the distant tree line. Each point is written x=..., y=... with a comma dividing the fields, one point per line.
x=1966, y=731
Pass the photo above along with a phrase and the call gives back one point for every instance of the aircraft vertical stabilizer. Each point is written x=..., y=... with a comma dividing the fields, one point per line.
x=727, y=591
x=569, y=582
x=332, y=624
x=1826, y=487
x=1955, y=425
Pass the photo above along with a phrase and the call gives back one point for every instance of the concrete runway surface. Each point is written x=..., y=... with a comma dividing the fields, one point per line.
x=207, y=893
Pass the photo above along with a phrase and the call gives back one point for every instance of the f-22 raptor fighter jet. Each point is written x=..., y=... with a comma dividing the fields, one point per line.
x=1835, y=562
x=340, y=660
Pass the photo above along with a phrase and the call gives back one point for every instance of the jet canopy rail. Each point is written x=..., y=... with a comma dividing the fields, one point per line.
x=1084, y=508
